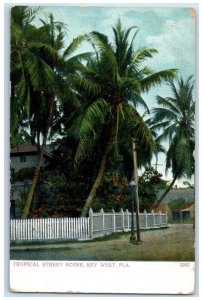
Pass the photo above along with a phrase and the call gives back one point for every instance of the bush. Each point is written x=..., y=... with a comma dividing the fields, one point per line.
x=24, y=174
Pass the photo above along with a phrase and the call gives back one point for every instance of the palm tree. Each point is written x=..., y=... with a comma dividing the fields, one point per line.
x=37, y=77
x=31, y=72
x=113, y=81
x=176, y=118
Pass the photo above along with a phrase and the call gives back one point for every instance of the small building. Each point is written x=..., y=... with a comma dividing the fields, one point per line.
x=26, y=156
x=186, y=212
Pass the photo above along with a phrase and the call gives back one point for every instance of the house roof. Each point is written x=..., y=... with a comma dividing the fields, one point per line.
x=24, y=148
x=185, y=206
x=187, y=194
x=29, y=148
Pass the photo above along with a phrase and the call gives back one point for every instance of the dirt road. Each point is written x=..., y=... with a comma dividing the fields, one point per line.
x=173, y=244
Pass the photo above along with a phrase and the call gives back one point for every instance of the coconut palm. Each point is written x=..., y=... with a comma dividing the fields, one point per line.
x=37, y=77
x=63, y=66
x=176, y=118
x=31, y=75
x=29, y=72
x=113, y=81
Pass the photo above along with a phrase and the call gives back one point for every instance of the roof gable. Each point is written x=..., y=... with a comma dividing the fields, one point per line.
x=29, y=148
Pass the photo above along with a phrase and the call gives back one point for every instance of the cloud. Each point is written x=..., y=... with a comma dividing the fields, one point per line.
x=169, y=30
x=176, y=43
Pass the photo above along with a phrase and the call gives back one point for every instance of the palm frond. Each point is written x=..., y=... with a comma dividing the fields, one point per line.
x=166, y=102
x=94, y=117
x=158, y=126
x=157, y=78
x=106, y=55
x=142, y=54
x=84, y=150
x=146, y=71
x=73, y=46
x=161, y=114
x=137, y=100
x=139, y=127
x=168, y=133
x=91, y=123
x=23, y=15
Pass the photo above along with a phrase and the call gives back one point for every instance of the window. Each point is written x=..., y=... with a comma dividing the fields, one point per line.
x=22, y=158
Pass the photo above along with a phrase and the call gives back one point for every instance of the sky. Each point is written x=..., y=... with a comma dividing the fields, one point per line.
x=171, y=30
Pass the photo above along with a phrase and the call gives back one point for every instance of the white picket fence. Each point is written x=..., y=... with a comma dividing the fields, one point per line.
x=97, y=224
x=48, y=229
x=103, y=223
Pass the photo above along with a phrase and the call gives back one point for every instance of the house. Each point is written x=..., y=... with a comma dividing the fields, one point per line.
x=186, y=212
x=24, y=158
x=26, y=155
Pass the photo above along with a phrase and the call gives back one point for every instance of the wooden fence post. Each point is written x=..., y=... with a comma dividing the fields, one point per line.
x=153, y=217
x=122, y=219
x=160, y=218
x=91, y=229
x=103, y=220
x=166, y=217
x=113, y=220
x=145, y=215
x=128, y=219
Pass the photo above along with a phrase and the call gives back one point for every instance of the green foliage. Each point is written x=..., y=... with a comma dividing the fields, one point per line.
x=112, y=193
x=176, y=203
x=24, y=174
x=147, y=188
x=21, y=200
x=63, y=196
x=176, y=118
x=117, y=71
x=96, y=99
x=188, y=184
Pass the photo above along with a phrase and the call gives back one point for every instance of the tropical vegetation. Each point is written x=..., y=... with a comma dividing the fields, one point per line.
x=89, y=103
x=176, y=117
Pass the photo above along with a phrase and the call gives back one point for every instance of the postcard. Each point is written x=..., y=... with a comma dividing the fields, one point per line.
x=102, y=149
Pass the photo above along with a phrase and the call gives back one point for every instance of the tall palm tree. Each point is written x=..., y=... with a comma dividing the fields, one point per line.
x=31, y=76
x=37, y=80
x=113, y=81
x=176, y=118
x=62, y=65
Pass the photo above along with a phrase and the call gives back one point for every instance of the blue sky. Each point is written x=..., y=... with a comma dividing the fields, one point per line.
x=171, y=30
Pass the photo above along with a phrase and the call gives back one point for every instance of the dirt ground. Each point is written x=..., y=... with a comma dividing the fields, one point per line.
x=173, y=244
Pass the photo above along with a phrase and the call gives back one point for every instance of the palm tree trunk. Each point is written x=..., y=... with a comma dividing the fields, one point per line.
x=39, y=162
x=37, y=197
x=166, y=191
x=112, y=139
x=97, y=181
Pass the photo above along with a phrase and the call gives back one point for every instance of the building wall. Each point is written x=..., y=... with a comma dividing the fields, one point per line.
x=30, y=161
